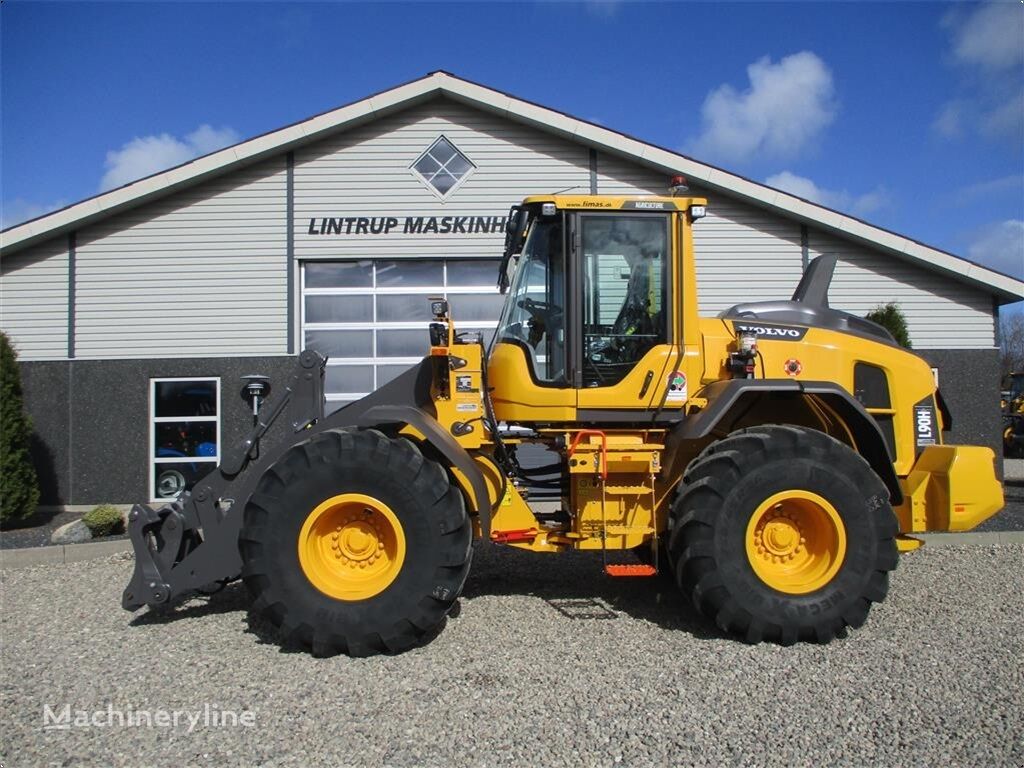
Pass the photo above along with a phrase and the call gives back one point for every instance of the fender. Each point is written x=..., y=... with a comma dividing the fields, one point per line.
x=446, y=445
x=406, y=400
x=724, y=395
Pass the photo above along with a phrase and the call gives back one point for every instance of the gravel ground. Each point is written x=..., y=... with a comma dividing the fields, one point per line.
x=547, y=663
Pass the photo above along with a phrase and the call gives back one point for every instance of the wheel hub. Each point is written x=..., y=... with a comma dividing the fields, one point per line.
x=796, y=541
x=351, y=547
x=357, y=543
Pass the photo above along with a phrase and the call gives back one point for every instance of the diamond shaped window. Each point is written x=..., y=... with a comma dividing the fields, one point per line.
x=443, y=166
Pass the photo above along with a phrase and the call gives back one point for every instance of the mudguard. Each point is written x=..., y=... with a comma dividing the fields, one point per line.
x=406, y=400
x=723, y=396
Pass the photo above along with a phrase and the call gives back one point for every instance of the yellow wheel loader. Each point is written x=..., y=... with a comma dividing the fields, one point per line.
x=774, y=459
x=1012, y=402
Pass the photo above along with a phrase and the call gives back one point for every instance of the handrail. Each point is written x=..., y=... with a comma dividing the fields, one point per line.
x=604, y=448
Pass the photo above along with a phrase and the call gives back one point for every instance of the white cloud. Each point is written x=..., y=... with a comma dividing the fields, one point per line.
x=950, y=122
x=1005, y=119
x=859, y=205
x=992, y=36
x=983, y=189
x=987, y=45
x=1001, y=247
x=603, y=9
x=786, y=107
x=146, y=155
x=20, y=210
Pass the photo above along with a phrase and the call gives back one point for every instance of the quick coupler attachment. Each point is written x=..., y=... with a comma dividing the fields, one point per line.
x=156, y=537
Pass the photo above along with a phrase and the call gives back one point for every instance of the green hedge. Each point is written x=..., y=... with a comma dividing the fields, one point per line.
x=19, y=486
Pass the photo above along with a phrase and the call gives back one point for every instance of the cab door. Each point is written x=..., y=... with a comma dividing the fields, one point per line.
x=625, y=322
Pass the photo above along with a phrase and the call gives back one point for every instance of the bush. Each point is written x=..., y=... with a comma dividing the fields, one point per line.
x=19, y=486
x=104, y=520
x=891, y=317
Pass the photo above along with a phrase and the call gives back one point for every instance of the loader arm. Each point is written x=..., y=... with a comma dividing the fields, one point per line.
x=193, y=542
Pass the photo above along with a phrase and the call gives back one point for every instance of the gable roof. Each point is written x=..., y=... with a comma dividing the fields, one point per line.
x=13, y=239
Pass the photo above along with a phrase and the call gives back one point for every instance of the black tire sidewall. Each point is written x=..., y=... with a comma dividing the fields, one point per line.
x=422, y=572
x=863, y=540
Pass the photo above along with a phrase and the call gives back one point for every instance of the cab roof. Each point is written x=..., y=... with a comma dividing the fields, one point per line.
x=617, y=202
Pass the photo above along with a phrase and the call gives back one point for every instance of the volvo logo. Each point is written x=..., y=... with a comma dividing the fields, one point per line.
x=782, y=332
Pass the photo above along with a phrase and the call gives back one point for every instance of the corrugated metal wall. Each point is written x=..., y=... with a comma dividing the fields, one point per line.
x=745, y=253
x=941, y=313
x=202, y=272
x=742, y=251
x=34, y=301
x=367, y=172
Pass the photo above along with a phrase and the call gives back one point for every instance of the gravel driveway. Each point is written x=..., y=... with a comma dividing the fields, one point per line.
x=548, y=663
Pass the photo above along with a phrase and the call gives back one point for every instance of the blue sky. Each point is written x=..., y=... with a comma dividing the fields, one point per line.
x=909, y=115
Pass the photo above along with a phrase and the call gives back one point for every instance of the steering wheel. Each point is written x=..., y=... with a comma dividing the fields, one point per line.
x=541, y=309
x=543, y=315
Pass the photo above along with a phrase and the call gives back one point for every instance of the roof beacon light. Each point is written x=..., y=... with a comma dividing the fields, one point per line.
x=677, y=186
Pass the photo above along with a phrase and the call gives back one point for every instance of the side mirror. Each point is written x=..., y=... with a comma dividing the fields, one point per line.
x=515, y=228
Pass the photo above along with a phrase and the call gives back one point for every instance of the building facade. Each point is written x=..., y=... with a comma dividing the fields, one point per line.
x=135, y=313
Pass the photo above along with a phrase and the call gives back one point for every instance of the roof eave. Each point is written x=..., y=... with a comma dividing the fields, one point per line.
x=1003, y=287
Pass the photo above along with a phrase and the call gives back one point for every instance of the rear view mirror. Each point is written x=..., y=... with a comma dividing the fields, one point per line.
x=515, y=228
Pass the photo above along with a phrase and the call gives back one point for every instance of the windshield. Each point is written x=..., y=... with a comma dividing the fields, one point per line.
x=534, y=316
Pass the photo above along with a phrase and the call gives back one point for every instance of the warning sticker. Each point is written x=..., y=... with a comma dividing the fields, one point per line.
x=466, y=407
x=793, y=367
x=676, y=387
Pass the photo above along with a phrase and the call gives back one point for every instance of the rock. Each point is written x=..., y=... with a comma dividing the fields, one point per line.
x=74, y=532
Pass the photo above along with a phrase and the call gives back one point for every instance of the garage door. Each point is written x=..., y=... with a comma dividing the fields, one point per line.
x=370, y=317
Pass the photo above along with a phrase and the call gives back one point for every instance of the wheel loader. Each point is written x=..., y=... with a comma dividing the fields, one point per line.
x=1012, y=407
x=773, y=460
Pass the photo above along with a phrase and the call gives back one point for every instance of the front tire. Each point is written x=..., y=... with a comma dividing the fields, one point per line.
x=783, y=534
x=355, y=543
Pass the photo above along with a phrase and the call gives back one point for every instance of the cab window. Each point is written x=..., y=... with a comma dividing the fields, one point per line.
x=625, y=279
x=534, y=316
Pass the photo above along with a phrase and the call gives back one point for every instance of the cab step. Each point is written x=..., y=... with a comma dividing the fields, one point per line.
x=630, y=569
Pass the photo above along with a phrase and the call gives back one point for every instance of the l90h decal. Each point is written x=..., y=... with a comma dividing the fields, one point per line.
x=926, y=426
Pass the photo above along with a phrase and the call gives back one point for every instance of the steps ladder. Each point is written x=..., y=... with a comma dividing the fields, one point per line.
x=618, y=570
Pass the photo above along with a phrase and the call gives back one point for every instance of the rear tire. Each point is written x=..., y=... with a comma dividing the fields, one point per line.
x=354, y=543
x=782, y=534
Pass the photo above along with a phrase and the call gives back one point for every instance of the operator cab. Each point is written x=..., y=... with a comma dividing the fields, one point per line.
x=589, y=301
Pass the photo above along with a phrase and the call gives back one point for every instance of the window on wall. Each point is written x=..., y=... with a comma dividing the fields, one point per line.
x=442, y=167
x=184, y=433
x=370, y=317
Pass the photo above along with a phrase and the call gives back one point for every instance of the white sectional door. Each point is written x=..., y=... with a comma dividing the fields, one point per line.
x=369, y=317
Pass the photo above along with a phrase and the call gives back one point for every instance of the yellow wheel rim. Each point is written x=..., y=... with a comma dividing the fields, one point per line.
x=351, y=547
x=796, y=542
